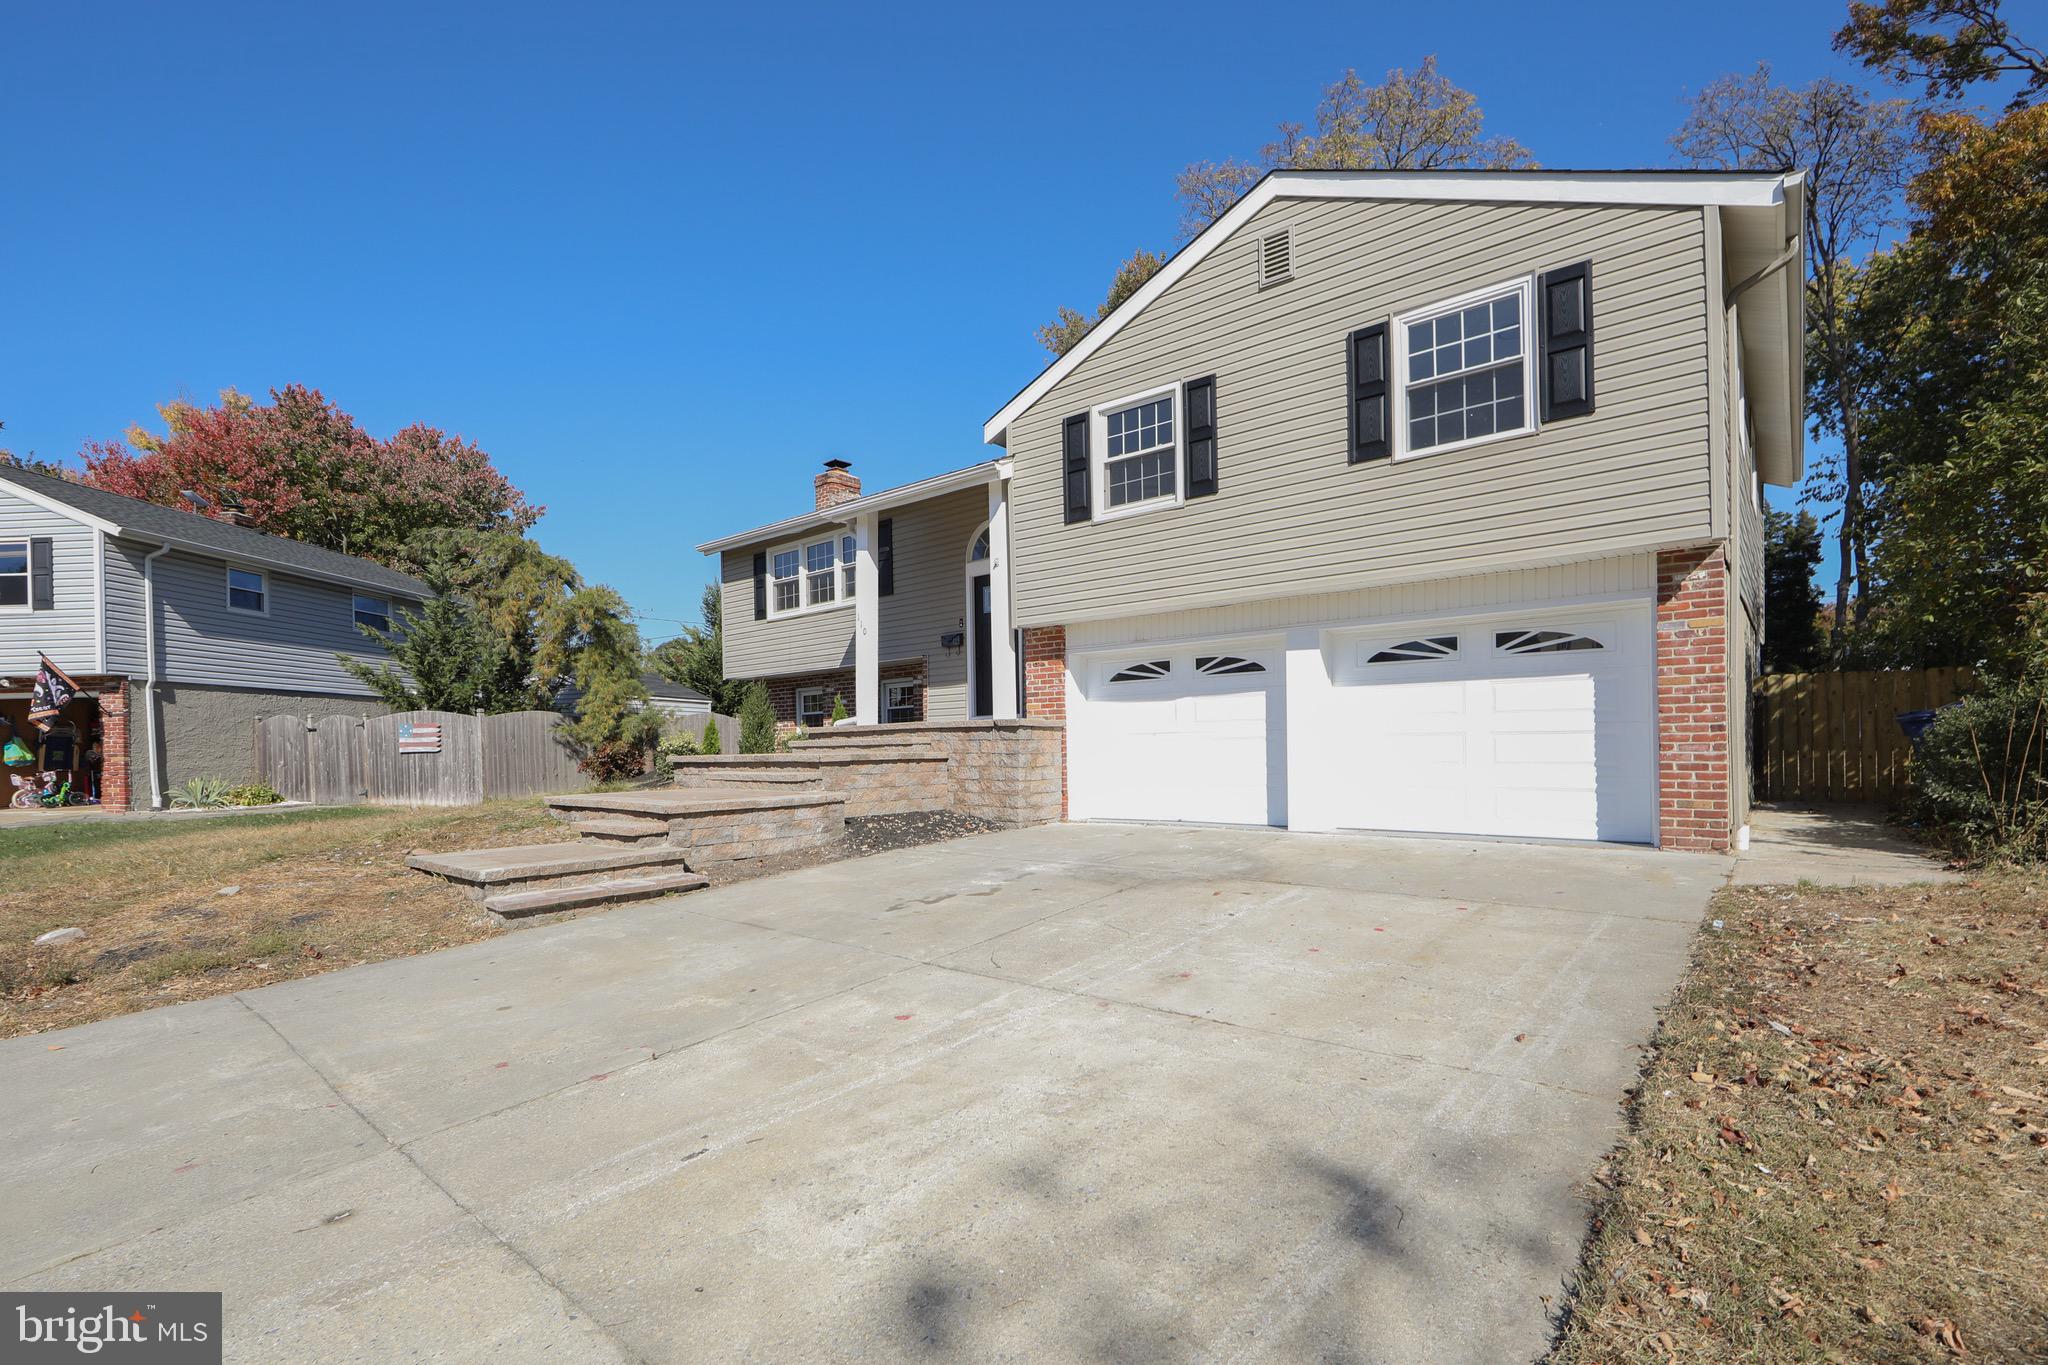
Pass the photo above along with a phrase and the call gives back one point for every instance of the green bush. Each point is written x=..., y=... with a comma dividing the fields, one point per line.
x=712, y=743
x=838, y=708
x=251, y=794
x=757, y=722
x=201, y=793
x=1978, y=775
x=677, y=744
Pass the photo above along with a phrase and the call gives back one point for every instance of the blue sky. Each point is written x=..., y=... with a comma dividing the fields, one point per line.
x=661, y=262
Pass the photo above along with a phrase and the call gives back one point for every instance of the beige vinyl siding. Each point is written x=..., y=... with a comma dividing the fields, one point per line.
x=1620, y=578
x=1291, y=517
x=931, y=540
x=70, y=631
x=807, y=642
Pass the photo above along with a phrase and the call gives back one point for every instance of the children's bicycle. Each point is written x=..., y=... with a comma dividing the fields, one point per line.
x=41, y=791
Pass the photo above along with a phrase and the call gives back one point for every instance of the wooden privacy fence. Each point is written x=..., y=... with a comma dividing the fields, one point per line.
x=350, y=760
x=1836, y=736
x=695, y=724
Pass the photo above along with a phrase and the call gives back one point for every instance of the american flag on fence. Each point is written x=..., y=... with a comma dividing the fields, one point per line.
x=415, y=738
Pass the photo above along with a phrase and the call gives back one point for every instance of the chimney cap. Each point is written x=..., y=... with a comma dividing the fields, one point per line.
x=836, y=463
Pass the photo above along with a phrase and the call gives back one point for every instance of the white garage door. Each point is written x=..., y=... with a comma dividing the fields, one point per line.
x=1534, y=724
x=1178, y=735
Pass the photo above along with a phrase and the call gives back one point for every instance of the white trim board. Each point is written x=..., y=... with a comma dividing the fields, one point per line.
x=1669, y=189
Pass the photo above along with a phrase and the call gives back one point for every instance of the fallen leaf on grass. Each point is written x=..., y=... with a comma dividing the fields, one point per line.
x=1943, y=1331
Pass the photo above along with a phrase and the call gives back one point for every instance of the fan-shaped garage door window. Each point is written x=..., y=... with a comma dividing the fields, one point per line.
x=1227, y=663
x=1543, y=641
x=1408, y=651
x=1157, y=668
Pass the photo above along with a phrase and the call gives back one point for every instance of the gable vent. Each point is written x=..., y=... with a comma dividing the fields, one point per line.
x=1276, y=256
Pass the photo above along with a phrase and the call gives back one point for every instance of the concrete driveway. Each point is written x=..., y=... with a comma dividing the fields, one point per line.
x=1089, y=1092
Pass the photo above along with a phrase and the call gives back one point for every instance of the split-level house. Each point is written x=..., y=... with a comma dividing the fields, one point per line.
x=182, y=628
x=1413, y=501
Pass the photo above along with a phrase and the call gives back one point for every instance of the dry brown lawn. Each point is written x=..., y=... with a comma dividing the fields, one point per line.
x=316, y=890
x=1840, y=1149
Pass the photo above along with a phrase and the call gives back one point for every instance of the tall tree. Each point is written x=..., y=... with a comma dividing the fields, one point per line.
x=1067, y=328
x=444, y=657
x=1946, y=45
x=1416, y=121
x=1792, y=630
x=696, y=658
x=299, y=466
x=1858, y=154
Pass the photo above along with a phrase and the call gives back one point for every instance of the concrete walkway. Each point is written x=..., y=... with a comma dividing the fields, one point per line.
x=1838, y=846
x=1071, y=1093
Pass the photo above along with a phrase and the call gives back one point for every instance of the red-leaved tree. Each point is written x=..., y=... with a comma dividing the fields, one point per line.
x=299, y=466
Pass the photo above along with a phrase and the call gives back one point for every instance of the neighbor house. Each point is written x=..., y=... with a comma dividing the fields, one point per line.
x=1417, y=501
x=181, y=628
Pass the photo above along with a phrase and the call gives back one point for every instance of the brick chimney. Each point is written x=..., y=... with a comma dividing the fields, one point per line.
x=836, y=485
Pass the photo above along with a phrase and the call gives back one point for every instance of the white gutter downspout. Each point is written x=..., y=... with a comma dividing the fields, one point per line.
x=156, y=777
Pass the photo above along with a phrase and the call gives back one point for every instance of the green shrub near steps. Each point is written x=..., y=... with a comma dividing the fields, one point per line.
x=1980, y=774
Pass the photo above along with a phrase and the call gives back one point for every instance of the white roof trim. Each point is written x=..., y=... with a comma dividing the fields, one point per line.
x=1734, y=189
x=63, y=510
x=974, y=476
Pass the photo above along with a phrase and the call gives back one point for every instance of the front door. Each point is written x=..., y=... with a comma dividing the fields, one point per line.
x=984, y=649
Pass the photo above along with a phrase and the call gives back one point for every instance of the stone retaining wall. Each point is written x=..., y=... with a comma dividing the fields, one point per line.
x=730, y=836
x=1007, y=771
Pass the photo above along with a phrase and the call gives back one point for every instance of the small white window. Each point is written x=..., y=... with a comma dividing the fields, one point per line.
x=1276, y=256
x=818, y=562
x=899, y=703
x=847, y=559
x=247, y=591
x=1464, y=371
x=979, y=550
x=1142, y=672
x=813, y=707
x=1408, y=651
x=1140, y=462
x=787, y=593
x=374, y=612
x=13, y=573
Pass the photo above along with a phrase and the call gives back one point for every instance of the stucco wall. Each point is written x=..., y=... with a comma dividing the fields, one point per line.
x=211, y=731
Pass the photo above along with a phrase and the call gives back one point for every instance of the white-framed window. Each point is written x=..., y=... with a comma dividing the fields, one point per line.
x=813, y=707
x=248, y=590
x=899, y=702
x=820, y=583
x=1465, y=370
x=374, y=612
x=811, y=575
x=1137, y=441
x=14, y=590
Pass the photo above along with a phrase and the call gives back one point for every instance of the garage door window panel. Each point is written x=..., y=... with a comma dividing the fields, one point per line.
x=1417, y=650
x=1142, y=672
x=1543, y=642
x=1227, y=663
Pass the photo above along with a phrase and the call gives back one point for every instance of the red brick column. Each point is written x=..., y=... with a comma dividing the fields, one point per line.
x=1693, y=767
x=114, y=744
x=1045, y=686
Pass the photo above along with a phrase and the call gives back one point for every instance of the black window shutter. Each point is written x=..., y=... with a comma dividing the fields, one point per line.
x=1368, y=384
x=42, y=576
x=760, y=585
x=1074, y=440
x=1201, y=437
x=1568, y=342
x=885, y=557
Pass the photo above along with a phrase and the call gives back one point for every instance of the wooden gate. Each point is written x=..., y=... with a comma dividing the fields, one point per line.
x=1836, y=736
x=524, y=755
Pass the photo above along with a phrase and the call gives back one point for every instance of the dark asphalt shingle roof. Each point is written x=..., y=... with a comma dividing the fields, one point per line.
x=190, y=530
x=658, y=686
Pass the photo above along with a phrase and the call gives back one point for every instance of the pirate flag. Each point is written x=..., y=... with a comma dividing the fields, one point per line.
x=54, y=691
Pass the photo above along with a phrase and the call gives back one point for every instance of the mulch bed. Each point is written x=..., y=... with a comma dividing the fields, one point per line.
x=865, y=835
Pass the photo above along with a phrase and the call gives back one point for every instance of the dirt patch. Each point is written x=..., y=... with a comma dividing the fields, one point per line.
x=1840, y=1147
x=311, y=891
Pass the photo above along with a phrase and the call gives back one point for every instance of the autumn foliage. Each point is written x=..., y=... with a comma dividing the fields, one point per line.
x=299, y=466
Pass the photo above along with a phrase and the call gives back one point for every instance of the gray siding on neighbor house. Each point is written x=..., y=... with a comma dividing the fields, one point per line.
x=290, y=648
x=69, y=631
x=1290, y=515
x=125, y=646
x=931, y=541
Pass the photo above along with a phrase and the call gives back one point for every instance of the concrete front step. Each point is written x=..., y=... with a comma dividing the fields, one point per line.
x=629, y=829
x=723, y=824
x=485, y=872
x=525, y=907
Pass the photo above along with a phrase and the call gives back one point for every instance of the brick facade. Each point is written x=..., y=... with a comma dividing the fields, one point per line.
x=1695, y=768
x=782, y=691
x=1045, y=686
x=114, y=794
